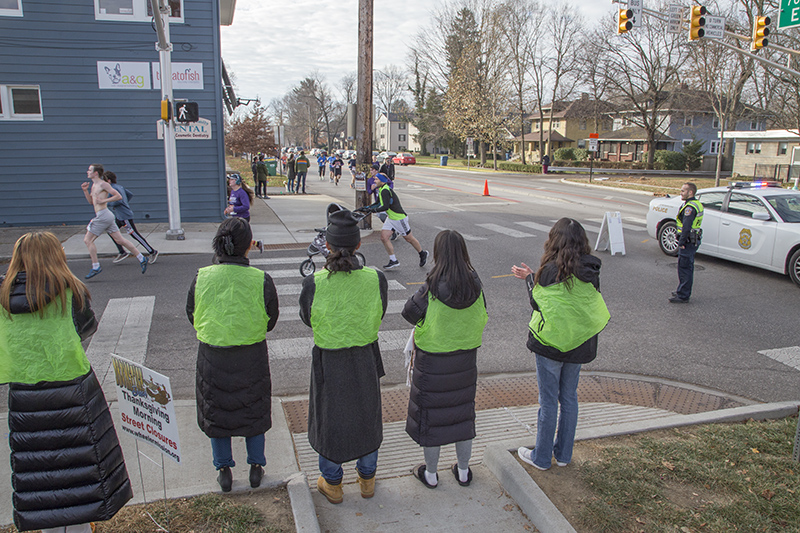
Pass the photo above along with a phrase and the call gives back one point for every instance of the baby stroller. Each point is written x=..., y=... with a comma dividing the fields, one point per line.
x=318, y=245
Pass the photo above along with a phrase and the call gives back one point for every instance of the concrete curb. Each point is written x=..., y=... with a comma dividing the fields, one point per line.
x=538, y=507
x=519, y=485
x=593, y=186
x=303, y=509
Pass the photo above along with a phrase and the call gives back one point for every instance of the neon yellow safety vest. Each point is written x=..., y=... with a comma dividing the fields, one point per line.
x=391, y=214
x=347, y=308
x=229, y=307
x=567, y=318
x=445, y=329
x=34, y=348
x=698, y=219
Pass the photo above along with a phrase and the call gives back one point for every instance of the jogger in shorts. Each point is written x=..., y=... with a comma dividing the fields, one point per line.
x=396, y=219
x=99, y=193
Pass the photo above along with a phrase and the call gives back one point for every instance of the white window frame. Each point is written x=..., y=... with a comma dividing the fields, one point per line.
x=754, y=124
x=715, y=122
x=10, y=12
x=139, y=13
x=6, y=102
x=686, y=142
x=556, y=124
x=753, y=148
x=783, y=148
x=688, y=120
x=714, y=147
x=401, y=126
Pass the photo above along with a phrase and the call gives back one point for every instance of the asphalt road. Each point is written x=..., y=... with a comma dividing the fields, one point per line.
x=712, y=342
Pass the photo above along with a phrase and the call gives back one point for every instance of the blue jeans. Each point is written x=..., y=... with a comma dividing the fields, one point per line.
x=290, y=184
x=223, y=456
x=558, y=383
x=301, y=181
x=332, y=472
x=685, y=271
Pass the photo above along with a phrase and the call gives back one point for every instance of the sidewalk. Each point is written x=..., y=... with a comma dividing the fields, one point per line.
x=501, y=496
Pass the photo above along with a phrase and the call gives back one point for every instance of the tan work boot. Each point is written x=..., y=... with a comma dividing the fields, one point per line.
x=367, y=486
x=332, y=492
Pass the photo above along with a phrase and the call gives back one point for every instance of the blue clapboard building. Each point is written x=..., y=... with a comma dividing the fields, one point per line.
x=80, y=84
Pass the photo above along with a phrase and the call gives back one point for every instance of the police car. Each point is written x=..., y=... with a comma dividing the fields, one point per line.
x=754, y=223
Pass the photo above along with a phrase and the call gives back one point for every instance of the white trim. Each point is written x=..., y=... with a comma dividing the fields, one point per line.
x=7, y=113
x=713, y=147
x=138, y=13
x=11, y=12
x=789, y=135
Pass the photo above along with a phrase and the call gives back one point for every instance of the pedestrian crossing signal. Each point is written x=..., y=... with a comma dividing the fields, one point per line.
x=760, y=32
x=187, y=112
x=624, y=22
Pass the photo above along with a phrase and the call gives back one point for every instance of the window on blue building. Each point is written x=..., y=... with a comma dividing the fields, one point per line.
x=133, y=10
x=10, y=8
x=20, y=102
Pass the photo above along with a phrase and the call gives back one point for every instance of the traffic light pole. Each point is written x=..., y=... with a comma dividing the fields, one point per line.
x=161, y=17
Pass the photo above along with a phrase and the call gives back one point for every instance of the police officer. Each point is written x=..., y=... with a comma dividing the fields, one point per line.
x=689, y=220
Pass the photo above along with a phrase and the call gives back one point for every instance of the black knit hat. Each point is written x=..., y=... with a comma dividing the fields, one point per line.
x=343, y=230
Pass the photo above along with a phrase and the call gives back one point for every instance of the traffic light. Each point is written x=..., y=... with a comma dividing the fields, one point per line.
x=696, y=23
x=760, y=32
x=187, y=112
x=166, y=110
x=624, y=22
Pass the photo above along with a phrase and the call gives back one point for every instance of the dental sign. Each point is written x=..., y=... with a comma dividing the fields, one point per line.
x=138, y=75
x=123, y=75
x=184, y=76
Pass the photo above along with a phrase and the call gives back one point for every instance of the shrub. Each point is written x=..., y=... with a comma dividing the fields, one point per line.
x=693, y=154
x=581, y=154
x=564, y=154
x=669, y=160
x=519, y=167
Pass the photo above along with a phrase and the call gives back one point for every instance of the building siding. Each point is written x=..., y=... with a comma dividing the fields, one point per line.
x=56, y=45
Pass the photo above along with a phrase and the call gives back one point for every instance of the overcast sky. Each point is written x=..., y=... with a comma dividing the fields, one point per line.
x=271, y=46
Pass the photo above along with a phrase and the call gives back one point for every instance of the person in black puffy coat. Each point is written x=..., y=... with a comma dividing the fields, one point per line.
x=66, y=463
x=449, y=312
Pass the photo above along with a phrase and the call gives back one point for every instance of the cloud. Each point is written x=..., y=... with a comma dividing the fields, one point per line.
x=271, y=47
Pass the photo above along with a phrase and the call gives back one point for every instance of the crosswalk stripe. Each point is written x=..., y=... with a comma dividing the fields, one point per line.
x=300, y=347
x=505, y=231
x=788, y=356
x=467, y=236
x=278, y=260
x=292, y=312
x=629, y=227
x=296, y=288
x=534, y=225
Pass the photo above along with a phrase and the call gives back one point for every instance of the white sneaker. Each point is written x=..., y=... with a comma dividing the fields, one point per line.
x=559, y=463
x=152, y=257
x=121, y=257
x=526, y=454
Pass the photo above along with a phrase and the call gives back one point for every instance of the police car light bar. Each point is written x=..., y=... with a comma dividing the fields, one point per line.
x=754, y=184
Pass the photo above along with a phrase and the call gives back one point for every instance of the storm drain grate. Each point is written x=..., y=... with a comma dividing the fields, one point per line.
x=494, y=393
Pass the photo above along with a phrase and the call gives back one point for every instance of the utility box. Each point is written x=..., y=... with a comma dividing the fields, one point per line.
x=443, y=161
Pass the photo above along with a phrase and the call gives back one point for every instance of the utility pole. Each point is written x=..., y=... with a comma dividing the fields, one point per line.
x=364, y=98
x=161, y=12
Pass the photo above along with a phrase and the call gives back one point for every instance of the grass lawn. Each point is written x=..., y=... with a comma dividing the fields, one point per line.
x=260, y=511
x=710, y=478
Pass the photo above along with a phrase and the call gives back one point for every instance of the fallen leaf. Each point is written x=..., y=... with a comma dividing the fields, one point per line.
x=508, y=507
x=527, y=527
x=686, y=529
x=755, y=450
x=359, y=514
x=767, y=494
x=640, y=520
x=667, y=464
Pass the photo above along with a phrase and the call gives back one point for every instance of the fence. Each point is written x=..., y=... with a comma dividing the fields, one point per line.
x=783, y=173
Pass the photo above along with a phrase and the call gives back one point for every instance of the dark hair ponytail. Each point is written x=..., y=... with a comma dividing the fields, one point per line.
x=233, y=238
x=341, y=260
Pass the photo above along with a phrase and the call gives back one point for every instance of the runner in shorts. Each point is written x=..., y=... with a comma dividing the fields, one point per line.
x=396, y=219
x=99, y=193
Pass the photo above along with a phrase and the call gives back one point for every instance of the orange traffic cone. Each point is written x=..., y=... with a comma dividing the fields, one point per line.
x=486, y=188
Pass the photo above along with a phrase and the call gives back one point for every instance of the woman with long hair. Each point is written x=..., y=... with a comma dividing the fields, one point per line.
x=344, y=304
x=449, y=312
x=568, y=314
x=67, y=466
x=232, y=306
x=239, y=198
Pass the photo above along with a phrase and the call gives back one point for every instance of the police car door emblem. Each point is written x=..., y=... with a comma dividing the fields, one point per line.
x=745, y=239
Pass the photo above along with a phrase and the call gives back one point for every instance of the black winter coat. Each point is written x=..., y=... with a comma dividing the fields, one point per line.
x=441, y=404
x=66, y=464
x=586, y=352
x=233, y=386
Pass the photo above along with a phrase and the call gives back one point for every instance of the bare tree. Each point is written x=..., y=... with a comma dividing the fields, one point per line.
x=313, y=111
x=389, y=86
x=640, y=67
x=347, y=87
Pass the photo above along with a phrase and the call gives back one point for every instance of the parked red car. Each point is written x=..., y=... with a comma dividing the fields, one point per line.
x=404, y=159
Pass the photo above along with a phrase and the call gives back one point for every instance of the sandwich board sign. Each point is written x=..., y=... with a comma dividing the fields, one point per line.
x=146, y=406
x=610, y=236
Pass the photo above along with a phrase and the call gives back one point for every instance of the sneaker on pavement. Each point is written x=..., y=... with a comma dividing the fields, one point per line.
x=391, y=264
x=121, y=257
x=526, y=454
x=151, y=259
x=260, y=246
x=423, y=258
x=394, y=235
x=93, y=272
x=143, y=263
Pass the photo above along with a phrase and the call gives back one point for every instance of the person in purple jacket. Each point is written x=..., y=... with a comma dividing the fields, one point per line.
x=239, y=199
